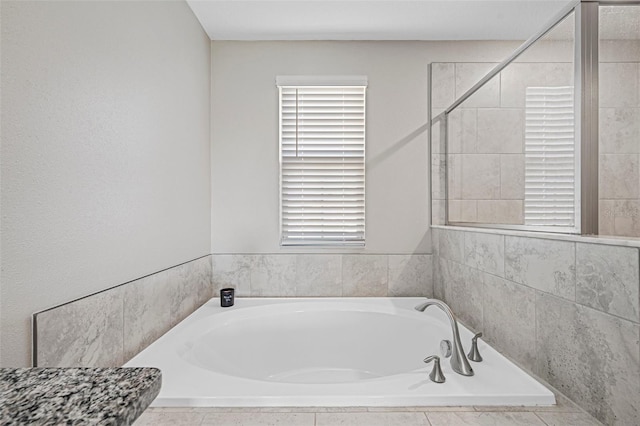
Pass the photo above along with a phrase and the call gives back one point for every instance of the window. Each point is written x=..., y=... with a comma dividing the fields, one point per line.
x=549, y=157
x=322, y=154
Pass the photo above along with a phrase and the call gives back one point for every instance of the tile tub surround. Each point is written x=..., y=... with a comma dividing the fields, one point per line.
x=324, y=275
x=39, y=396
x=564, y=309
x=108, y=328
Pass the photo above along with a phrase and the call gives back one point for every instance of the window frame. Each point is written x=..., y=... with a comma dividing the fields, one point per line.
x=314, y=82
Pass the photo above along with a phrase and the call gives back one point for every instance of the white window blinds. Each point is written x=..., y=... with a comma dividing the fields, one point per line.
x=549, y=157
x=322, y=154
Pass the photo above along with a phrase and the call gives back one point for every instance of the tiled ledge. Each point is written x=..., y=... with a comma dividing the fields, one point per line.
x=324, y=275
x=108, y=328
x=592, y=239
x=567, y=310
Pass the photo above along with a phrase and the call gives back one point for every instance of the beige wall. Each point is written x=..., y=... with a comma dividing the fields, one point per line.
x=245, y=135
x=105, y=151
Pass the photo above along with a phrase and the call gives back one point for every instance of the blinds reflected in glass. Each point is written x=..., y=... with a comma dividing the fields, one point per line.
x=322, y=154
x=550, y=161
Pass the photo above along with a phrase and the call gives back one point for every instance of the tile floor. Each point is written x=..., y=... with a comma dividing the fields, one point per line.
x=565, y=413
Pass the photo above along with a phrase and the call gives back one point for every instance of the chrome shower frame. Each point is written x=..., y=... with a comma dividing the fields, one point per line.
x=586, y=64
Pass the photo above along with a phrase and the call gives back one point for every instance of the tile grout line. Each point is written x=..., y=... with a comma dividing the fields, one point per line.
x=427, y=418
x=541, y=419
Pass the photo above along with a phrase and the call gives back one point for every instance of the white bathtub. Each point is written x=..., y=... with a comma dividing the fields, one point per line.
x=325, y=352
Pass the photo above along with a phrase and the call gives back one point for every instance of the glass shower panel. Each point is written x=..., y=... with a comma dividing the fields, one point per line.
x=511, y=146
x=619, y=121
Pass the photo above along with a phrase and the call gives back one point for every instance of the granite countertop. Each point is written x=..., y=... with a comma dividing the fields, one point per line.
x=76, y=396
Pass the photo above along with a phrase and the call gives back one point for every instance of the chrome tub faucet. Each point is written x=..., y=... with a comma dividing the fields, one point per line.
x=459, y=361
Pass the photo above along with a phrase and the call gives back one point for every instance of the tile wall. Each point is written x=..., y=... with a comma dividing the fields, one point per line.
x=108, y=328
x=567, y=311
x=327, y=275
x=485, y=152
x=619, y=124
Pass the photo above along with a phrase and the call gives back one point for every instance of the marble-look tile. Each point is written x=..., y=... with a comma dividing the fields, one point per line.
x=506, y=212
x=84, y=333
x=410, y=275
x=438, y=132
x=619, y=85
x=438, y=282
x=442, y=84
x=619, y=50
x=463, y=131
x=463, y=292
x=607, y=279
x=480, y=176
x=619, y=131
x=273, y=275
x=437, y=212
x=512, y=177
x=485, y=418
x=469, y=211
x=452, y=278
x=454, y=213
x=510, y=319
x=619, y=218
x=339, y=409
x=451, y=245
x=372, y=419
x=147, y=310
x=606, y=217
x=259, y=419
x=590, y=356
x=619, y=176
x=463, y=211
x=232, y=270
x=422, y=408
x=438, y=167
x=435, y=241
x=516, y=77
x=500, y=131
x=546, y=265
x=364, y=275
x=484, y=252
x=626, y=218
x=568, y=419
x=192, y=288
x=465, y=298
x=454, y=176
x=177, y=418
x=563, y=405
x=319, y=275
x=467, y=75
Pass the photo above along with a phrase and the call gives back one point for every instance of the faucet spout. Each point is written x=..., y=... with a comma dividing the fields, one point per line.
x=459, y=361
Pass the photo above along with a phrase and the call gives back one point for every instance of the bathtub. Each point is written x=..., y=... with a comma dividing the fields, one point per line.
x=325, y=352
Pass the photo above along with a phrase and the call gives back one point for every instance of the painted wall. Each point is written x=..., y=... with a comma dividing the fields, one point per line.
x=244, y=107
x=105, y=151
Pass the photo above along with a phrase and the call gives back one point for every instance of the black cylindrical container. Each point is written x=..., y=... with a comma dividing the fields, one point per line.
x=226, y=297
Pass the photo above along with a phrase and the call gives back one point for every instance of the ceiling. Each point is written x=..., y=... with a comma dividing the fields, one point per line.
x=374, y=20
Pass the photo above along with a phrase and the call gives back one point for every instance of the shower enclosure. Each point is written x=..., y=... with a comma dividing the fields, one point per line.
x=549, y=139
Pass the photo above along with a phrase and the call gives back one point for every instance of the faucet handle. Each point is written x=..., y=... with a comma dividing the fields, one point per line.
x=436, y=374
x=474, y=354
